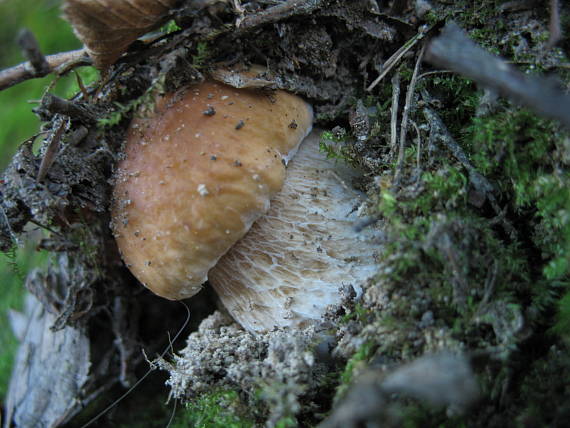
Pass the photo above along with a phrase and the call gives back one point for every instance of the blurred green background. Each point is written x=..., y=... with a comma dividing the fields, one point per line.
x=17, y=123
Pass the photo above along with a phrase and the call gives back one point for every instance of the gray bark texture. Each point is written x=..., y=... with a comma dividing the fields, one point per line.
x=50, y=371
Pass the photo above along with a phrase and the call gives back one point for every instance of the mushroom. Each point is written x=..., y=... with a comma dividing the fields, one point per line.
x=196, y=176
x=295, y=259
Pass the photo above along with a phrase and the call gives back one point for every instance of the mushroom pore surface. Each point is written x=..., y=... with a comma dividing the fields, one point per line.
x=295, y=259
x=196, y=174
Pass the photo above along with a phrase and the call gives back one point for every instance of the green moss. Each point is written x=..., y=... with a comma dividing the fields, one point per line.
x=219, y=409
x=142, y=105
x=355, y=363
x=562, y=326
x=170, y=27
x=456, y=257
x=331, y=145
x=202, y=55
x=547, y=377
x=359, y=313
x=523, y=154
x=443, y=241
x=286, y=423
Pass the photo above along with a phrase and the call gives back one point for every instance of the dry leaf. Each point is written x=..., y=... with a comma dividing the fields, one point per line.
x=108, y=27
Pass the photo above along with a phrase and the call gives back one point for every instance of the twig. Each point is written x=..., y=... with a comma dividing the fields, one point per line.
x=52, y=149
x=57, y=105
x=395, y=107
x=419, y=153
x=395, y=58
x=240, y=10
x=454, y=50
x=479, y=182
x=123, y=326
x=32, y=52
x=405, y=115
x=286, y=9
x=25, y=71
x=431, y=73
x=554, y=24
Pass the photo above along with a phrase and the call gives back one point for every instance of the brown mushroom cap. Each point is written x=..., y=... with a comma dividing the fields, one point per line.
x=196, y=175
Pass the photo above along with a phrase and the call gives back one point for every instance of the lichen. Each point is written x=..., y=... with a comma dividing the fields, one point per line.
x=277, y=372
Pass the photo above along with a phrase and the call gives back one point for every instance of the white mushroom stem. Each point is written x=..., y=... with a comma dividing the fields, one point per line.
x=292, y=263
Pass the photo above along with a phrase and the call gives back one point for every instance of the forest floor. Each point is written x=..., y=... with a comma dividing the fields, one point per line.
x=470, y=190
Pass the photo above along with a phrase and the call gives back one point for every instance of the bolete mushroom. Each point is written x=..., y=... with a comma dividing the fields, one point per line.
x=294, y=260
x=201, y=170
x=196, y=175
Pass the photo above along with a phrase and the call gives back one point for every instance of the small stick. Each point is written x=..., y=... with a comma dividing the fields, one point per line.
x=480, y=183
x=395, y=107
x=240, y=10
x=405, y=115
x=81, y=86
x=554, y=24
x=419, y=153
x=286, y=9
x=57, y=105
x=32, y=52
x=431, y=73
x=52, y=149
x=25, y=71
x=395, y=58
x=454, y=50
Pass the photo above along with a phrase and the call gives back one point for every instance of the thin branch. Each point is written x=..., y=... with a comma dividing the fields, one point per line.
x=56, y=105
x=395, y=58
x=405, y=115
x=419, y=152
x=26, y=71
x=52, y=149
x=32, y=52
x=286, y=9
x=554, y=24
x=431, y=73
x=479, y=182
x=454, y=50
x=395, y=108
